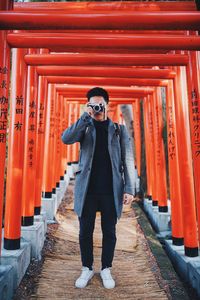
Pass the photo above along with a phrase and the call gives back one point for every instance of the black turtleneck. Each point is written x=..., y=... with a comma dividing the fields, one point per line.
x=101, y=173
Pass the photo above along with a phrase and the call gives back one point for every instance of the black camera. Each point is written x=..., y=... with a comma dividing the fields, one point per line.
x=97, y=108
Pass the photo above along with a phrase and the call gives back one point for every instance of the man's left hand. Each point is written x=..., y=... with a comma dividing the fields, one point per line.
x=127, y=199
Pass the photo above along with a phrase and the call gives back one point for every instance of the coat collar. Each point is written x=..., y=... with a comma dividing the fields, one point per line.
x=111, y=131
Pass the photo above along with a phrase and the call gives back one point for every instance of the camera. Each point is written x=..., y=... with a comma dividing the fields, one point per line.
x=97, y=108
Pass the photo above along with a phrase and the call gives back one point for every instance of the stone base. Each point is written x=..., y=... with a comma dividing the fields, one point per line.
x=70, y=172
x=63, y=186
x=160, y=220
x=147, y=205
x=59, y=196
x=6, y=282
x=67, y=179
x=19, y=260
x=49, y=205
x=75, y=167
x=187, y=267
x=137, y=185
x=42, y=218
x=35, y=235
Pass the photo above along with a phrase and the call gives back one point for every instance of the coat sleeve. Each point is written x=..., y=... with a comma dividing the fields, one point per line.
x=128, y=162
x=76, y=131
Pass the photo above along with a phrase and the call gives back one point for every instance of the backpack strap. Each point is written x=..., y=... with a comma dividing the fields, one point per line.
x=117, y=130
x=118, y=133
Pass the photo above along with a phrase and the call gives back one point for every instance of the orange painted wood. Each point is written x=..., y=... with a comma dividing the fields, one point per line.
x=160, y=153
x=185, y=165
x=193, y=88
x=188, y=20
x=109, y=5
x=173, y=165
x=41, y=121
x=103, y=41
x=99, y=81
x=148, y=148
x=29, y=166
x=72, y=59
x=47, y=164
x=14, y=179
x=137, y=134
x=115, y=72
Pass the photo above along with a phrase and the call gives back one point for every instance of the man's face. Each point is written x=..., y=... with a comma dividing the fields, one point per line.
x=98, y=100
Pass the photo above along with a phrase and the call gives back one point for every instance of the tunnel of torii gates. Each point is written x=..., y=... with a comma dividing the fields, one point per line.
x=138, y=51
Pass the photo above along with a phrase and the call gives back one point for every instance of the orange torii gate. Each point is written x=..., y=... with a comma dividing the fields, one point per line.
x=123, y=22
x=114, y=81
x=175, y=239
x=79, y=59
x=103, y=20
x=111, y=5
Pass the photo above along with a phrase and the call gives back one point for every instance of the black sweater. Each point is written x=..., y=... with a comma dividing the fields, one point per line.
x=101, y=173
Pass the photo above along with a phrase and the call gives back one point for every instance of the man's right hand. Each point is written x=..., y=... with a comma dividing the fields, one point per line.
x=89, y=110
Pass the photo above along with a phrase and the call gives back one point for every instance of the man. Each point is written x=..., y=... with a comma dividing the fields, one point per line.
x=104, y=181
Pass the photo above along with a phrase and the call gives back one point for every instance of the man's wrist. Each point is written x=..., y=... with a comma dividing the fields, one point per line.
x=86, y=117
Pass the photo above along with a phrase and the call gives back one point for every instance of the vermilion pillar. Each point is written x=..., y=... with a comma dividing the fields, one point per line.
x=174, y=176
x=41, y=121
x=185, y=166
x=64, y=126
x=67, y=125
x=70, y=122
x=54, y=134
x=148, y=147
x=118, y=113
x=53, y=125
x=58, y=139
x=152, y=120
x=4, y=89
x=63, y=156
x=137, y=134
x=14, y=178
x=112, y=113
x=48, y=145
x=29, y=167
x=160, y=154
x=77, y=114
x=193, y=85
x=73, y=120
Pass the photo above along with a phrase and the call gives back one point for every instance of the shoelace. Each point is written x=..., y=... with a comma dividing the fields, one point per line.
x=107, y=274
x=84, y=271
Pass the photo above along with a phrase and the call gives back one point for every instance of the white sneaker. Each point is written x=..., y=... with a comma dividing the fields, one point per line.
x=106, y=276
x=86, y=275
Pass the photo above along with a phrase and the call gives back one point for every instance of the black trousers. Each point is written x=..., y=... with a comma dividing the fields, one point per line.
x=104, y=204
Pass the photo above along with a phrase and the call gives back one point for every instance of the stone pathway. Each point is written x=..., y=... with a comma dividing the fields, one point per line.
x=134, y=267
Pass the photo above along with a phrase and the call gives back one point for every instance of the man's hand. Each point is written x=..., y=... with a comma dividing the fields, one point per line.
x=127, y=199
x=97, y=116
x=89, y=110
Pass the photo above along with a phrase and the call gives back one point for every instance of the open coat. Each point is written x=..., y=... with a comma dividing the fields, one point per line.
x=122, y=160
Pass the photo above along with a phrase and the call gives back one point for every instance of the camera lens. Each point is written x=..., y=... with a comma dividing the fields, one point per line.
x=97, y=108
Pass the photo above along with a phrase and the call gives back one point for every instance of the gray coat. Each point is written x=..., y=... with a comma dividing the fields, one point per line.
x=83, y=131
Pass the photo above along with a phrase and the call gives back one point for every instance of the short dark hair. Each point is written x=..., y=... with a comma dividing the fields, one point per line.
x=98, y=91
